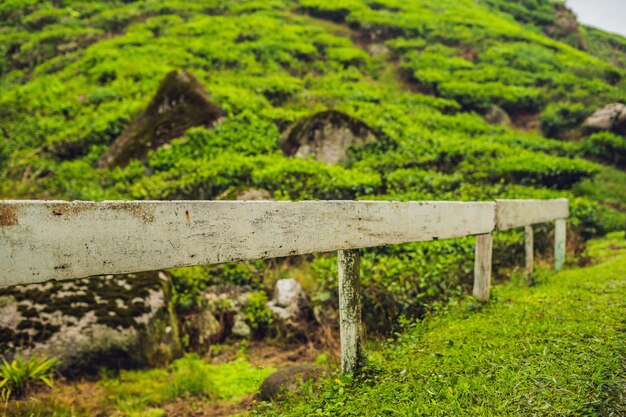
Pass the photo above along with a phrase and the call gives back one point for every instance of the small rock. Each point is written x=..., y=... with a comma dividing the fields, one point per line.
x=287, y=292
x=240, y=327
x=611, y=117
x=288, y=379
x=290, y=301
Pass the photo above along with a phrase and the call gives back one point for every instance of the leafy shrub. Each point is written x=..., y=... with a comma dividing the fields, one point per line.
x=257, y=315
x=606, y=147
x=558, y=118
x=590, y=219
x=480, y=97
x=298, y=179
x=529, y=169
x=21, y=374
x=425, y=181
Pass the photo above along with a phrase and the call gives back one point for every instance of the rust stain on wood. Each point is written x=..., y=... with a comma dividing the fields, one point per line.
x=8, y=216
x=68, y=210
x=134, y=210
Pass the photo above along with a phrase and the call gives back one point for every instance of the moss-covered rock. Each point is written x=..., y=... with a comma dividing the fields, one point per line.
x=180, y=103
x=326, y=136
x=109, y=321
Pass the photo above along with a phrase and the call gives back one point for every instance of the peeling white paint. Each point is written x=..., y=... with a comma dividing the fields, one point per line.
x=42, y=240
x=517, y=213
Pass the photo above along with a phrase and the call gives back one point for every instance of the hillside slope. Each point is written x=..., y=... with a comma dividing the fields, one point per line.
x=422, y=74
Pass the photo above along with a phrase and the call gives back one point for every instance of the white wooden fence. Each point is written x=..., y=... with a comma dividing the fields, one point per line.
x=43, y=240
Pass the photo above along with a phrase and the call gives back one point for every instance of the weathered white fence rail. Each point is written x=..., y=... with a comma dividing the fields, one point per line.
x=43, y=240
x=517, y=213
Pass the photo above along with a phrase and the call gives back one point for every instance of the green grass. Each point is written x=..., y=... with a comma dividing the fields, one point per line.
x=555, y=349
x=145, y=393
x=136, y=391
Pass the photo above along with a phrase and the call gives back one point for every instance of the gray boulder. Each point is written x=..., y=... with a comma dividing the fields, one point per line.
x=611, y=117
x=109, y=321
x=290, y=302
x=325, y=136
x=240, y=327
x=288, y=379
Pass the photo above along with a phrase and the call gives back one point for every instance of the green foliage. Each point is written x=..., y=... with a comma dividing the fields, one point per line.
x=480, y=96
x=257, y=315
x=22, y=374
x=530, y=169
x=189, y=283
x=296, y=179
x=139, y=391
x=558, y=118
x=191, y=377
x=607, y=148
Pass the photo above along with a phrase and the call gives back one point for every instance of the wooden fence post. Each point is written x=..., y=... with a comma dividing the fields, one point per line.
x=559, y=243
x=528, y=243
x=350, y=309
x=482, y=266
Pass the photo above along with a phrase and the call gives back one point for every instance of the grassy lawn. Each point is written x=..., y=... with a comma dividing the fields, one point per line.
x=190, y=386
x=554, y=349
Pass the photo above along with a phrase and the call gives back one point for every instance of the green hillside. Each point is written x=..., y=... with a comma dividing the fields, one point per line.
x=422, y=74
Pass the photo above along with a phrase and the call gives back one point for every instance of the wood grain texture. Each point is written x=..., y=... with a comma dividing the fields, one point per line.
x=42, y=240
x=516, y=213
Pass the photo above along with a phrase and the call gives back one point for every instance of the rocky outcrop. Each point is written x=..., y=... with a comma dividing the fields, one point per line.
x=114, y=321
x=565, y=27
x=325, y=136
x=610, y=118
x=180, y=103
x=288, y=379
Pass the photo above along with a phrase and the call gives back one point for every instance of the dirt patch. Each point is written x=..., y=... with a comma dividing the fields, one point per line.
x=198, y=408
x=82, y=397
x=527, y=121
x=8, y=216
x=264, y=355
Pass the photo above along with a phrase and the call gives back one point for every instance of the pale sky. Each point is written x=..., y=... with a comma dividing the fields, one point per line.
x=608, y=15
